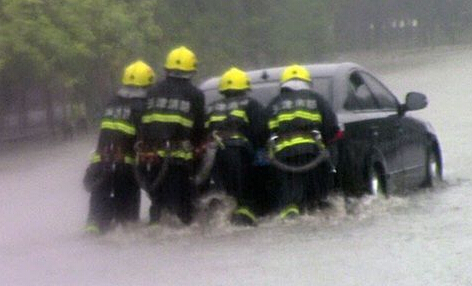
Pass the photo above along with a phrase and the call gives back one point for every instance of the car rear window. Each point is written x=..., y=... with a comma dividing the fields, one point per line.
x=323, y=86
x=264, y=92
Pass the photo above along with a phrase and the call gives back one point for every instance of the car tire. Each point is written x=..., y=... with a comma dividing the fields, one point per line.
x=433, y=168
x=376, y=185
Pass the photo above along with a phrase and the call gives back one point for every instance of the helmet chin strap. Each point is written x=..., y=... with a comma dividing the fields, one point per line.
x=296, y=84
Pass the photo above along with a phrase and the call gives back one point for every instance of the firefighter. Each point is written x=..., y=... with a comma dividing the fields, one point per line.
x=238, y=123
x=301, y=122
x=115, y=194
x=172, y=125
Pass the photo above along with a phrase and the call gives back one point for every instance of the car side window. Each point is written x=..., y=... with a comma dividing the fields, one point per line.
x=383, y=97
x=359, y=96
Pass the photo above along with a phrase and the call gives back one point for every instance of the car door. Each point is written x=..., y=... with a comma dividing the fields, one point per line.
x=374, y=125
x=410, y=136
x=411, y=140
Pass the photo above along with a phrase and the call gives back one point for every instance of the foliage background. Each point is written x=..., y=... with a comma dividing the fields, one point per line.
x=54, y=53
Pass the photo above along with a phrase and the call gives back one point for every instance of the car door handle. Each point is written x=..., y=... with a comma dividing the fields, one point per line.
x=374, y=131
x=399, y=128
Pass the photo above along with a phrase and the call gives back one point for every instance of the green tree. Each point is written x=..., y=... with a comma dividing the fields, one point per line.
x=77, y=47
x=56, y=51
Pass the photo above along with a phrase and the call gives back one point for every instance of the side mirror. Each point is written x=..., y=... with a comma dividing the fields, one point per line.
x=415, y=101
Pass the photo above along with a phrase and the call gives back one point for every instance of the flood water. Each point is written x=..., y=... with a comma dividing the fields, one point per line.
x=423, y=238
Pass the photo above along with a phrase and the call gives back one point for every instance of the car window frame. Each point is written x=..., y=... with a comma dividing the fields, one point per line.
x=358, y=103
x=375, y=102
x=381, y=85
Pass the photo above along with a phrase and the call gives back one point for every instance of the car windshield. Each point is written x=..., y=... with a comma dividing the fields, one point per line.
x=264, y=92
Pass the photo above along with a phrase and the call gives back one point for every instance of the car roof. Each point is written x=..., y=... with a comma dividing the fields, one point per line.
x=273, y=74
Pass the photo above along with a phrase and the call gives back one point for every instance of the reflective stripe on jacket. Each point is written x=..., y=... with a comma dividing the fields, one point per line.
x=286, y=117
x=119, y=125
x=238, y=119
x=97, y=158
x=174, y=112
x=167, y=118
x=293, y=115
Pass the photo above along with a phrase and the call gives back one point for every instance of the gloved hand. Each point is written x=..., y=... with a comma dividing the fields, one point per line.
x=199, y=151
x=337, y=136
x=261, y=158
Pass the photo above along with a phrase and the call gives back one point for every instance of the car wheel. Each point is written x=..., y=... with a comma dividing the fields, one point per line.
x=433, y=168
x=375, y=181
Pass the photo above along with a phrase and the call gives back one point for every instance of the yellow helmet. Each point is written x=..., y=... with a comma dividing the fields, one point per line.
x=295, y=72
x=234, y=79
x=138, y=74
x=181, y=59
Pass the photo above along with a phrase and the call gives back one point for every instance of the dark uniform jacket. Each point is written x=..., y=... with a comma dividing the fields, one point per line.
x=119, y=126
x=293, y=115
x=239, y=120
x=174, y=113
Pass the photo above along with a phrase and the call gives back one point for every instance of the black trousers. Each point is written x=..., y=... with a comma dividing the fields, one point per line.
x=176, y=193
x=306, y=189
x=116, y=197
x=232, y=171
